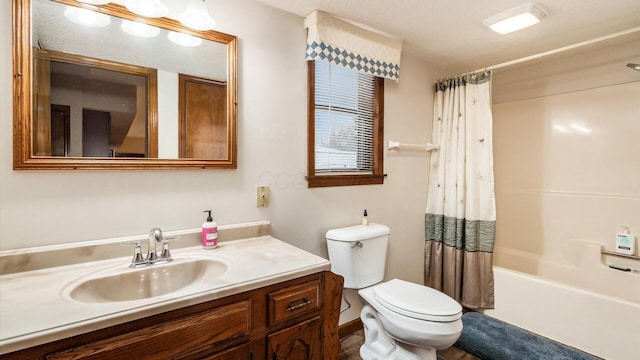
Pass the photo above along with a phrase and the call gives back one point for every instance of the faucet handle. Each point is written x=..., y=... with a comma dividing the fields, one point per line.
x=137, y=252
x=166, y=254
x=131, y=243
x=170, y=238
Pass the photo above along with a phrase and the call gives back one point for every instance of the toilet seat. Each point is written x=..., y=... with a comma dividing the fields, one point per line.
x=417, y=301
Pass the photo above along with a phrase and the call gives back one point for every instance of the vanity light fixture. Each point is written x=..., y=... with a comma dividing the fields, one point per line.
x=196, y=16
x=184, y=39
x=139, y=29
x=148, y=8
x=86, y=17
x=515, y=19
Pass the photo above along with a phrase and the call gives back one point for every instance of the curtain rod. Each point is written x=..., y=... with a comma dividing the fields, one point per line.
x=565, y=48
x=551, y=52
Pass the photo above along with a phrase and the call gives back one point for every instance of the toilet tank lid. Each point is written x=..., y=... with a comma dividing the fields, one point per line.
x=358, y=232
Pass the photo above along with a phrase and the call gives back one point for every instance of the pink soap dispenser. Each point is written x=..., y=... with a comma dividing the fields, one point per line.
x=209, y=232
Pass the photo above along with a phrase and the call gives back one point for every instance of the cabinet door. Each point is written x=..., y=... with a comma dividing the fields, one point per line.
x=203, y=118
x=298, y=342
x=241, y=352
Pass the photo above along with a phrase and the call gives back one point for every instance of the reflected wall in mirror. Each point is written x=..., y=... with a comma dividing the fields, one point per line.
x=98, y=97
x=85, y=107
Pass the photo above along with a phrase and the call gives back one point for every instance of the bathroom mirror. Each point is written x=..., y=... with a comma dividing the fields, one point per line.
x=167, y=106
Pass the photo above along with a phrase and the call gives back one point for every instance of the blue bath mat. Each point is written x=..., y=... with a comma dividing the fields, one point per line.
x=492, y=339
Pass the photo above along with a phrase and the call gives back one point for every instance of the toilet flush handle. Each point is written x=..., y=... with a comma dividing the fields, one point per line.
x=357, y=244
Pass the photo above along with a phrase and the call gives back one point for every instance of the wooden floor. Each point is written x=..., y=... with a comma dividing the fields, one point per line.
x=351, y=349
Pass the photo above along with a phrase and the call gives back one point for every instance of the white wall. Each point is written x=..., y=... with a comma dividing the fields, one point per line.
x=167, y=113
x=53, y=207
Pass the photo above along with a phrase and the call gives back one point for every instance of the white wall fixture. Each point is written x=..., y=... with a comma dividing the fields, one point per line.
x=394, y=145
x=86, y=17
x=515, y=19
x=148, y=8
x=196, y=16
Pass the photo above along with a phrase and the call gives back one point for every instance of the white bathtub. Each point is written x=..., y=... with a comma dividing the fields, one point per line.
x=600, y=325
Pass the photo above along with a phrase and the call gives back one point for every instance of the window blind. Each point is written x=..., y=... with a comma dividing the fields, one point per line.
x=344, y=103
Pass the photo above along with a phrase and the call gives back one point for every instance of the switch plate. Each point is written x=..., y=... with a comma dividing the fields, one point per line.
x=263, y=196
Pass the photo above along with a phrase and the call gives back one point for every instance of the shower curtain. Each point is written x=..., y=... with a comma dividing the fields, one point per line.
x=460, y=215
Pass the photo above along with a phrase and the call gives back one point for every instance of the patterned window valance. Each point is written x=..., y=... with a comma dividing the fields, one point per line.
x=339, y=42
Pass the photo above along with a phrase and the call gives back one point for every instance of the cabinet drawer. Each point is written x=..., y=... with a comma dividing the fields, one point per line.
x=293, y=301
x=181, y=336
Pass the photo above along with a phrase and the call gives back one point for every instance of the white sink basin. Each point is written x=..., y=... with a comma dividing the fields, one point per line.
x=125, y=284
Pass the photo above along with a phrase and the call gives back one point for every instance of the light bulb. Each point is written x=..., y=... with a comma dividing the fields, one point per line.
x=86, y=17
x=184, y=39
x=148, y=8
x=196, y=16
x=139, y=29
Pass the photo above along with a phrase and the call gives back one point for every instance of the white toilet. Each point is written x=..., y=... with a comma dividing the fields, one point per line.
x=402, y=320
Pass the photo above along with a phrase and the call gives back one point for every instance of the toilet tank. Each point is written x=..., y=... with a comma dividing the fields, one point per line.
x=358, y=253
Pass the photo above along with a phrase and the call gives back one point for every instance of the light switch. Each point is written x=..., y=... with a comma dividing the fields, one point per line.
x=263, y=196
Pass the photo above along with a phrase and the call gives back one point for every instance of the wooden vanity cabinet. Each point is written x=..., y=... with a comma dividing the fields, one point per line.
x=295, y=319
x=300, y=341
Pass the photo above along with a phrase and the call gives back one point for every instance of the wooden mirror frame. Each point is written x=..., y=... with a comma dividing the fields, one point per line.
x=23, y=158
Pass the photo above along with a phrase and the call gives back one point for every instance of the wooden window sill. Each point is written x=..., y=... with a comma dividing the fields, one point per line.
x=344, y=180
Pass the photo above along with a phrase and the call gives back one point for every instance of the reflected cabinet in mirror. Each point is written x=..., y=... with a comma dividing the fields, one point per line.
x=120, y=92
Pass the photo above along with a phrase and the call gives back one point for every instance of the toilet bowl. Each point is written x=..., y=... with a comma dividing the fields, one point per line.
x=402, y=320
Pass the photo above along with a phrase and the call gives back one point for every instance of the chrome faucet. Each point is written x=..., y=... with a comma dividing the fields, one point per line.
x=155, y=237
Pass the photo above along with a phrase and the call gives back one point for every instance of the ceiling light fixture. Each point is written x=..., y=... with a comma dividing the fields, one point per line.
x=139, y=29
x=196, y=16
x=515, y=19
x=86, y=17
x=148, y=8
x=184, y=39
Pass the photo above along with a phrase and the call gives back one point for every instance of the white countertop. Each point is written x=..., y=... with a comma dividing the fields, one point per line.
x=36, y=309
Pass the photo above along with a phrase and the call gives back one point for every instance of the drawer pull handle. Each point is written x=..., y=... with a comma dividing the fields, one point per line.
x=304, y=303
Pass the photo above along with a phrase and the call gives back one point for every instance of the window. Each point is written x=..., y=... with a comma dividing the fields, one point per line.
x=345, y=126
